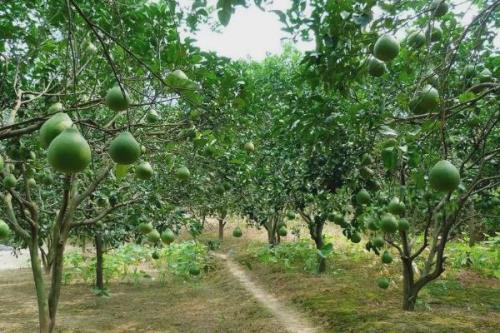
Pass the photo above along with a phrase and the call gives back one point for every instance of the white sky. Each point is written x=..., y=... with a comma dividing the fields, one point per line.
x=253, y=33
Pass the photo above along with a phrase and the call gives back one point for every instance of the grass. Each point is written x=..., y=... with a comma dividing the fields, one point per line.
x=346, y=298
x=214, y=303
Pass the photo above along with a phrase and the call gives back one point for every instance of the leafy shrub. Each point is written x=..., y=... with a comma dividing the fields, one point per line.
x=483, y=257
x=301, y=253
x=179, y=258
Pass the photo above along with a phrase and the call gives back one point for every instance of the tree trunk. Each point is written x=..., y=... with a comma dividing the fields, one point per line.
x=409, y=290
x=316, y=231
x=41, y=295
x=99, y=282
x=55, y=288
x=221, y=229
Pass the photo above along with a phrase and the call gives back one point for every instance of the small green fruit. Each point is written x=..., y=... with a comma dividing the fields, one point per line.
x=436, y=34
x=54, y=126
x=444, y=176
x=427, y=100
x=485, y=76
x=115, y=99
x=376, y=67
x=194, y=270
x=363, y=197
x=403, y=225
x=386, y=257
x=183, y=173
x=155, y=255
x=396, y=207
x=355, y=237
x=282, y=231
x=249, y=147
x=153, y=236
x=55, y=108
x=152, y=116
x=439, y=8
x=383, y=282
x=69, y=152
x=4, y=230
x=168, y=236
x=145, y=228
x=10, y=181
x=144, y=171
x=237, y=232
x=416, y=39
x=378, y=242
x=386, y=48
x=290, y=215
x=177, y=79
x=388, y=223
x=124, y=149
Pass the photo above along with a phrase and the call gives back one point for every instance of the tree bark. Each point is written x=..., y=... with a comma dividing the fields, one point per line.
x=409, y=290
x=55, y=288
x=221, y=229
x=316, y=231
x=99, y=283
x=41, y=295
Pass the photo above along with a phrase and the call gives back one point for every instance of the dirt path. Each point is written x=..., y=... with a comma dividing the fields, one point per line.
x=293, y=321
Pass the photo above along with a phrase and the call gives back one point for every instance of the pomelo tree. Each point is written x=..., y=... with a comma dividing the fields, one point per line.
x=77, y=104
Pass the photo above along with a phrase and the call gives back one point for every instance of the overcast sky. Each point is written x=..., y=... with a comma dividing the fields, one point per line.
x=253, y=33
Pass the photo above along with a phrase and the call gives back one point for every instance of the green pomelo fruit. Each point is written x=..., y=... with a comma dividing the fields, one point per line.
x=376, y=67
x=416, y=39
x=444, y=176
x=396, y=207
x=388, y=223
x=124, y=149
x=355, y=237
x=426, y=100
x=469, y=71
x=144, y=171
x=439, y=8
x=145, y=228
x=10, y=181
x=386, y=48
x=183, y=173
x=4, y=230
x=194, y=270
x=485, y=76
x=219, y=189
x=69, y=152
x=371, y=224
x=153, y=236
x=386, y=257
x=436, y=34
x=54, y=126
x=237, y=232
x=249, y=147
x=363, y=197
x=55, y=108
x=31, y=182
x=378, y=242
x=121, y=170
x=115, y=99
x=383, y=282
x=177, y=79
x=282, y=231
x=152, y=116
x=168, y=236
x=403, y=225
